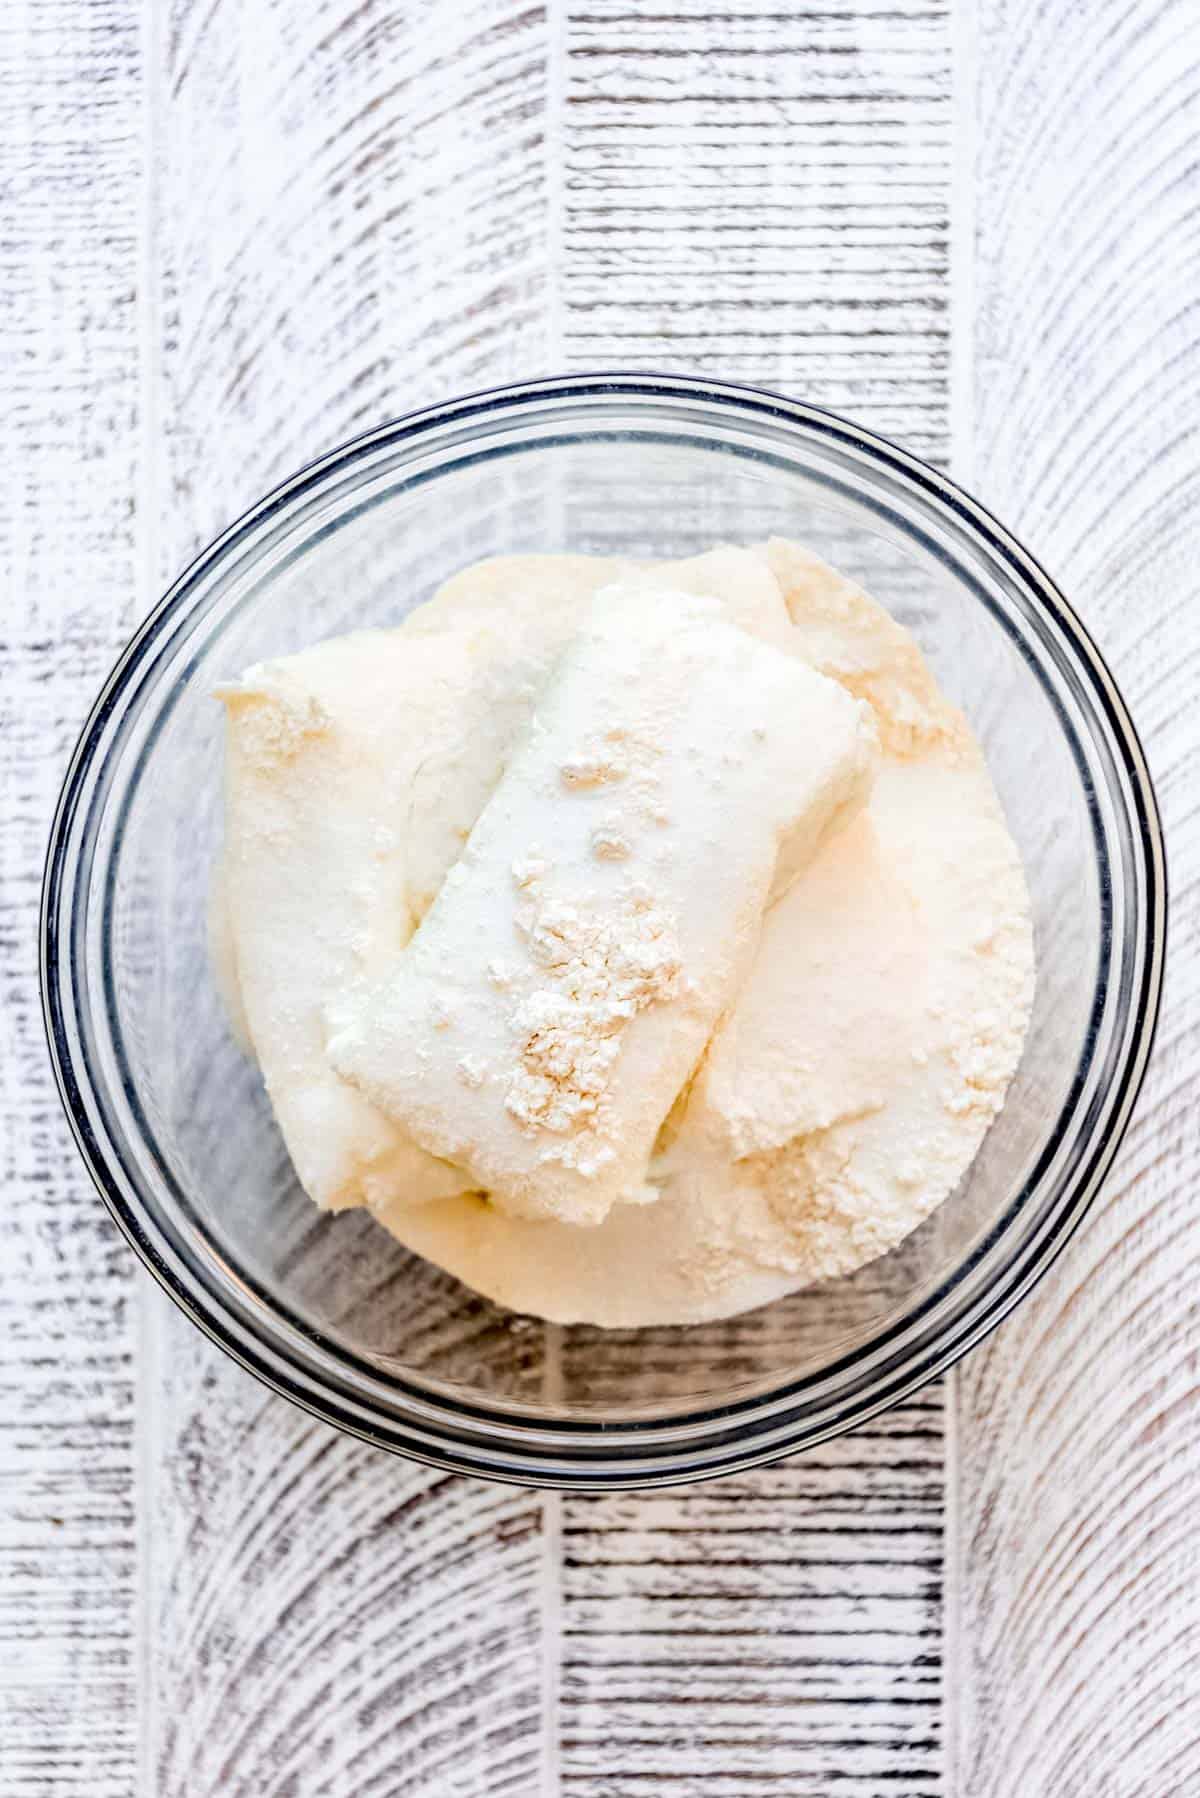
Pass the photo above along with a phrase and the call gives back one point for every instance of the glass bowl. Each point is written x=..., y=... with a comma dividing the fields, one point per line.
x=172, y=1120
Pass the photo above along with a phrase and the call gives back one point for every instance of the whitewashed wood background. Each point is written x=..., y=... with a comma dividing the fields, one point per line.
x=233, y=232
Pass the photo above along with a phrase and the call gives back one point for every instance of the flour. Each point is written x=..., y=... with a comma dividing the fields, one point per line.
x=603, y=965
x=611, y=840
x=596, y=767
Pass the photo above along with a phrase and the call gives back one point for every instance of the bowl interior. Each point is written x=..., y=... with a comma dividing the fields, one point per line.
x=198, y=1127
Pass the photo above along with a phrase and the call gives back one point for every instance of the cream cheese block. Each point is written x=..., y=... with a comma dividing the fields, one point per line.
x=544, y=1018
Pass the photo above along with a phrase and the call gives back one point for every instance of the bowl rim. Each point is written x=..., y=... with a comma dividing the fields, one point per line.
x=557, y=1452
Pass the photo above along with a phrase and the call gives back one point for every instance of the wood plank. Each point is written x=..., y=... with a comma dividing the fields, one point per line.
x=764, y=197
x=326, y=1618
x=349, y=216
x=781, y=1628
x=351, y=202
x=70, y=149
x=1078, y=1627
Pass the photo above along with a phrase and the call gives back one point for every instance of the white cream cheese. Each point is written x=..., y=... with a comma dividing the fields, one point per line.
x=340, y=834
x=847, y=1072
x=620, y=872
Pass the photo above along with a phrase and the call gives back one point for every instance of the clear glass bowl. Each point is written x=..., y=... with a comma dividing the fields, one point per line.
x=172, y=1120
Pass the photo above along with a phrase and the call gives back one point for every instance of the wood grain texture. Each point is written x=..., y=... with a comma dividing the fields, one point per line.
x=327, y=1620
x=348, y=220
x=762, y=192
x=1078, y=1639
x=70, y=167
x=775, y=1632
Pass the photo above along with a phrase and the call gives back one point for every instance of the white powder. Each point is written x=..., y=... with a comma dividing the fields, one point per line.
x=611, y=840
x=603, y=965
x=600, y=766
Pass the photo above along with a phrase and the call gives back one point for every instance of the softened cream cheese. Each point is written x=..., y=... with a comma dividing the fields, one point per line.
x=639, y=944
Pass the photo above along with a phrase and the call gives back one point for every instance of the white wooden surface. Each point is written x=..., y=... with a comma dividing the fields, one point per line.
x=1076, y=1624
x=237, y=230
